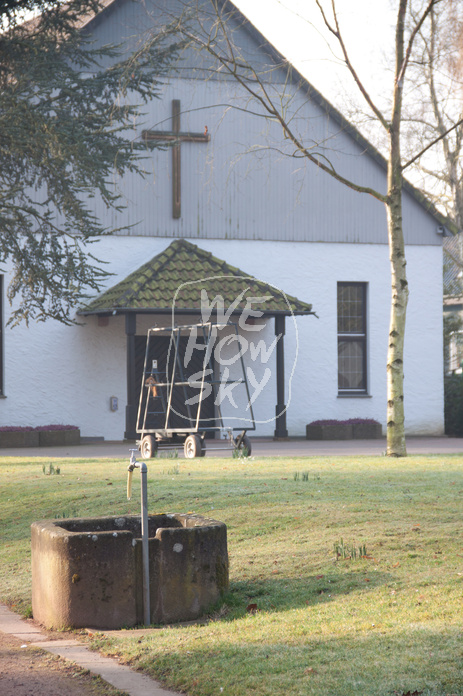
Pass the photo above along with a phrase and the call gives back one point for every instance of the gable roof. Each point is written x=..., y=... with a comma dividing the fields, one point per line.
x=331, y=111
x=175, y=278
x=313, y=94
x=82, y=21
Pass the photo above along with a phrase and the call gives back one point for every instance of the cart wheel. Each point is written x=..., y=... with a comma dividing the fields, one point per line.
x=245, y=447
x=192, y=447
x=148, y=447
x=203, y=447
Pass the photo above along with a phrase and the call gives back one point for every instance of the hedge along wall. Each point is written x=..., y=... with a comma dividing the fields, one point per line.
x=453, y=388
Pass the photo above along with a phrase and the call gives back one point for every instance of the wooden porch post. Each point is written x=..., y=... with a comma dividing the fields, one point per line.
x=131, y=408
x=280, y=409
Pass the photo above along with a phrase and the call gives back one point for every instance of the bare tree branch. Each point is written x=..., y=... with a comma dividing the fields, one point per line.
x=411, y=40
x=257, y=87
x=337, y=33
x=265, y=100
x=431, y=144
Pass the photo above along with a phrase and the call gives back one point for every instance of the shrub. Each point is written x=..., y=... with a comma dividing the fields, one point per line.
x=453, y=405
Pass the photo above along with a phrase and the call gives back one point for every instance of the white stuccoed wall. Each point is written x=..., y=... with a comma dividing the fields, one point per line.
x=59, y=374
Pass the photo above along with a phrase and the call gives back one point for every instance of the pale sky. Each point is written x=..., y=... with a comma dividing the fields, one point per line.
x=296, y=29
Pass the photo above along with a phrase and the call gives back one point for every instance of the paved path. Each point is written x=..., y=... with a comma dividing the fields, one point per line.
x=110, y=670
x=261, y=446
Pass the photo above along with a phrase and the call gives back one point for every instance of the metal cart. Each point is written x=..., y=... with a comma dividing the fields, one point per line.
x=182, y=392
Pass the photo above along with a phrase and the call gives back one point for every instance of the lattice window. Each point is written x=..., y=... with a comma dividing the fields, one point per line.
x=352, y=338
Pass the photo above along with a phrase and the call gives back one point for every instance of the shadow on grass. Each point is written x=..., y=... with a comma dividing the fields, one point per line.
x=409, y=660
x=281, y=594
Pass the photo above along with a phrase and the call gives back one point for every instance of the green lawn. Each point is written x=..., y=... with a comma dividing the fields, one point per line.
x=388, y=623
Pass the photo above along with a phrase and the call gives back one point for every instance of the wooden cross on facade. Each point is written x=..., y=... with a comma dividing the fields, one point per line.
x=176, y=137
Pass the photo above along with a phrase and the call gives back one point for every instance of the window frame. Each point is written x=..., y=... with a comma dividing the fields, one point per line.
x=359, y=337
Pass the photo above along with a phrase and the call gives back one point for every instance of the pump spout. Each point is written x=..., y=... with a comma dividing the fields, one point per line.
x=130, y=468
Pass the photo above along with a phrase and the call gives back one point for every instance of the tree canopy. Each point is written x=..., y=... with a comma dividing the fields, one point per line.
x=64, y=135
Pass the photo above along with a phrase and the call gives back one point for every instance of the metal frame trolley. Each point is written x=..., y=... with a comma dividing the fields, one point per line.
x=182, y=392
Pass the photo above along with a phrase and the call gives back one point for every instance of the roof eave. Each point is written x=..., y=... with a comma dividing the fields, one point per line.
x=119, y=311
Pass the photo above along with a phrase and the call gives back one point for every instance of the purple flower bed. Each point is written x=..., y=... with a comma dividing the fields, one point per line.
x=15, y=429
x=55, y=435
x=41, y=436
x=18, y=436
x=40, y=428
x=352, y=428
x=350, y=421
x=28, y=428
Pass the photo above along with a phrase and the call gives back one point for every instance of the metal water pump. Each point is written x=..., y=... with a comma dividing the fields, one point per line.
x=144, y=528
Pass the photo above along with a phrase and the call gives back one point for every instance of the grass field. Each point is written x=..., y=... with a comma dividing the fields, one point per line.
x=385, y=619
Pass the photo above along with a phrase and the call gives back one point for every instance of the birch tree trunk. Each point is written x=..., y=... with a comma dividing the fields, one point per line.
x=230, y=62
x=399, y=299
x=399, y=285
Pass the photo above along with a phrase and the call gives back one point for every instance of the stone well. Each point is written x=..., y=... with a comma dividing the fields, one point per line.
x=88, y=572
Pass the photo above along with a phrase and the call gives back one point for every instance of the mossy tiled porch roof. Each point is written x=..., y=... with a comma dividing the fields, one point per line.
x=177, y=276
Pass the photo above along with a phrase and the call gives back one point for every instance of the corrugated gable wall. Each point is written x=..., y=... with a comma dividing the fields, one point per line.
x=244, y=183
